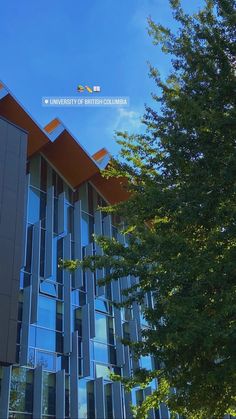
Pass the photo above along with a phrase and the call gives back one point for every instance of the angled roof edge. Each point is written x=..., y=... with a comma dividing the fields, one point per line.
x=14, y=111
x=68, y=155
x=62, y=150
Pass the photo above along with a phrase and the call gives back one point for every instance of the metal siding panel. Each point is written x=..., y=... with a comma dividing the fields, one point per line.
x=99, y=251
x=86, y=340
x=117, y=400
x=5, y=392
x=119, y=336
x=126, y=367
x=164, y=411
x=134, y=338
x=27, y=295
x=60, y=394
x=78, y=242
x=35, y=270
x=26, y=214
x=38, y=392
x=99, y=398
x=128, y=402
x=151, y=412
x=67, y=297
x=74, y=396
x=62, y=213
x=90, y=292
x=107, y=227
x=49, y=234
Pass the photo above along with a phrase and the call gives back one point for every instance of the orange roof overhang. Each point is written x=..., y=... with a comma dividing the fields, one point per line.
x=113, y=189
x=65, y=153
x=100, y=154
x=70, y=159
x=13, y=112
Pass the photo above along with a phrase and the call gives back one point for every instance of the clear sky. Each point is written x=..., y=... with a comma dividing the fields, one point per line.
x=48, y=47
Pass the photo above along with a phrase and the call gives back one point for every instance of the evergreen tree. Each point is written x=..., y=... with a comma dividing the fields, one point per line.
x=181, y=216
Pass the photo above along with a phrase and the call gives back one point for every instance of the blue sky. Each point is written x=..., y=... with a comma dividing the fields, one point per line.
x=49, y=47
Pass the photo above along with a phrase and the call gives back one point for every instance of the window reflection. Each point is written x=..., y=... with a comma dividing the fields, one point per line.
x=82, y=398
x=46, y=359
x=49, y=394
x=34, y=205
x=87, y=228
x=103, y=371
x=101, y=352
x=101, y=327
x=45, y=339
x=108, y=401
x=146, y=362
x=47, y=312
x=21, y=395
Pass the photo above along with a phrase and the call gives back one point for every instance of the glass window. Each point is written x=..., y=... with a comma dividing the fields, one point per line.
x=62, y=363
x=101, y=305
x=101, y=353
x=49, y=288
x=104, y=328
x=49, y=394
x=45, y=339
x=21, y=396
x=90, y=400
x=146, y=362
x=101, y=327
x=31, y=357
x=82, y=398
x=45, y=359
x=103, y=371
x=35, y=171
x=78, y=321
x=108, y=401
x=33, y=205
x=47, y=312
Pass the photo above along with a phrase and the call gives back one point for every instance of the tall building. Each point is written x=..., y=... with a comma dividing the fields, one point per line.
x=60, y=336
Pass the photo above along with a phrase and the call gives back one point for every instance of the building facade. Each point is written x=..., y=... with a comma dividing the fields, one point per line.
x=60, y=335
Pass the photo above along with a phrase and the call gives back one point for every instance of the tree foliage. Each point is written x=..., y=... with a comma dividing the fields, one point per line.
x=181, y=217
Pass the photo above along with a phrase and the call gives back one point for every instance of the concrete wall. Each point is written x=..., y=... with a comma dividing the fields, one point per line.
x=13, y=149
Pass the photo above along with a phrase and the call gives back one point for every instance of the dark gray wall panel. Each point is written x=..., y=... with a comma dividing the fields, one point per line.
x=67, y=297
x=13, y=147
x=117, y=400
x=78, y=242
x=49, y=234
x=38, y=392
x=86, y=339
x=99, y=398
x=60, y=394
x=5, y=392
x=27, y=294
x=35, y=270
x=74, y=383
